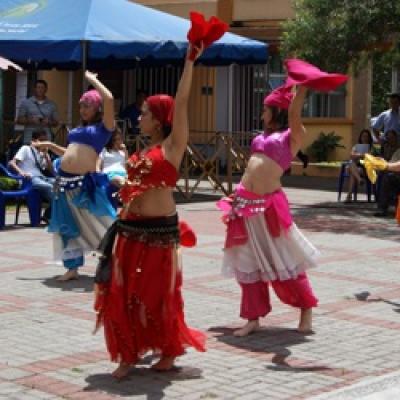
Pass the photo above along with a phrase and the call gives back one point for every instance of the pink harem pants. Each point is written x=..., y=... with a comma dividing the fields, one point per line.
x=295, y=292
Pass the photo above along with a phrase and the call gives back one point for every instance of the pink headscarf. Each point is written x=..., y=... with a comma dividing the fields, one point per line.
x=281, y=97
x=302, y=73
x=162, y=108
x=92, y=97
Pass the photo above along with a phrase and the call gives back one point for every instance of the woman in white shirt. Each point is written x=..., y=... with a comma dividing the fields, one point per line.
x=356, y=170
x=113, y=159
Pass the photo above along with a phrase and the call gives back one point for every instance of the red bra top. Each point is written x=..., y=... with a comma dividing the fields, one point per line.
x=147, y=171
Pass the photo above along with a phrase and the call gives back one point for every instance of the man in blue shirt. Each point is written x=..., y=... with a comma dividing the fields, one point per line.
x=37, y=112
x=133, y=111
x=390, y=119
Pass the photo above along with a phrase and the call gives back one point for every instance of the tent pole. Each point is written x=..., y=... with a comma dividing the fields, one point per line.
x=2, y=144
x=70, y=96
x=84, y=63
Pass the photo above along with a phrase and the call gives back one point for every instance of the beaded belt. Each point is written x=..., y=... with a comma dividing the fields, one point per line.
x=88, y=183
x=64, y=183
x=254, y=206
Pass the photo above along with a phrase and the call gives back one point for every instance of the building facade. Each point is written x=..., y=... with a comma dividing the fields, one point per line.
x=345, y=111
x=226, y=99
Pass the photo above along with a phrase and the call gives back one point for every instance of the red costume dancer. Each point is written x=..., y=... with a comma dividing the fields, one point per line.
x=142, y=307
x=139, y=277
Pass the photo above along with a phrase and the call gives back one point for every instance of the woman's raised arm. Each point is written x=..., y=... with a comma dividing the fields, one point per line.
x=175, y=144
x=108, y=100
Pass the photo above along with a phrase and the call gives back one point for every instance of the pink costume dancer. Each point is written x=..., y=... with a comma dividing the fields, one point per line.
x=263, y=244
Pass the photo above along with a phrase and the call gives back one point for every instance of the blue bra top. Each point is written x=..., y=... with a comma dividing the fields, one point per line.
x=95, y=136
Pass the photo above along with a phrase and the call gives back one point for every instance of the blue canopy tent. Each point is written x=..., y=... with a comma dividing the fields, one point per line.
x=71, y=34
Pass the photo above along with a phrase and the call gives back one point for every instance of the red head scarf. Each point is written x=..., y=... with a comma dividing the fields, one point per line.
x=206, y=32
x=281, y=97
x=303, y=73
x=162, y=108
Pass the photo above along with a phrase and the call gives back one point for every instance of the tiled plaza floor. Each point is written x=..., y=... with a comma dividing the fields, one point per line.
x=47, y=350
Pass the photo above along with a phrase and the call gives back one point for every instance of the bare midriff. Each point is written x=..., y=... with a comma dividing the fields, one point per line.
x=262, y=175
x=152, y=203
x=79, y=159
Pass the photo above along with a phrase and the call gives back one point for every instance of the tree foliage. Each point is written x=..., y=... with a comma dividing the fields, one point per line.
x=337, y=34
x=381, y=83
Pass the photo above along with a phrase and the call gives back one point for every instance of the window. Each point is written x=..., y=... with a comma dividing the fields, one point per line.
x=326, y=105
x=276, y=73
x=249, y=88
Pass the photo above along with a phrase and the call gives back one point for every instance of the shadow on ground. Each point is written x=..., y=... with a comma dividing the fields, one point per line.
x=141, y=381
x=366, y=297
x=83, y=284
x=357, y=219
x=274, y=342
x=20, y=226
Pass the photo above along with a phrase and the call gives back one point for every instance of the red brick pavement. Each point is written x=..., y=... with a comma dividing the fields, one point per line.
x=342, y=310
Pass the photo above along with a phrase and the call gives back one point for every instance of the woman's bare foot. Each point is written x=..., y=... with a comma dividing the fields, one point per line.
x=164, y=364
x=305, y=324
x=69, y=275
x=250, y=327
x=122, y=371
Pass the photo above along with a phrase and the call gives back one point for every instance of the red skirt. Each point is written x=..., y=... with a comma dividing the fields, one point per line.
x=142, y=307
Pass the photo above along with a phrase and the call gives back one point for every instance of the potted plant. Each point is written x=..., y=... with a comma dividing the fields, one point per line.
x=324, y=145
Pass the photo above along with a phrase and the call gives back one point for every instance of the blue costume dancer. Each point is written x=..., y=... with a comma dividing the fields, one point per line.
x=81, y=211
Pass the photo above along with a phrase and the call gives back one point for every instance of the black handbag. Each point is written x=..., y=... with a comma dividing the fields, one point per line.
x=45, y=172
x=44, y=116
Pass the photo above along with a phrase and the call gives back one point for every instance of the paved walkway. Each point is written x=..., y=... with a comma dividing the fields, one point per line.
x=47, y=350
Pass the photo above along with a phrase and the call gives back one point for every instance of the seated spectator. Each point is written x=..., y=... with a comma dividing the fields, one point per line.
x=33, y=164
x=355, y=169
x=113, y=159
x=134, y=110
x=390, y=145
x=389, y=188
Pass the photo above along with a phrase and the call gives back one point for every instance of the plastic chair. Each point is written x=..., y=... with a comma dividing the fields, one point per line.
x=26, y=193
x=369, y=188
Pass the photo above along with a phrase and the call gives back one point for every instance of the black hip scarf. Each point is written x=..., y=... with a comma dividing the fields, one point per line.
x=159, y=231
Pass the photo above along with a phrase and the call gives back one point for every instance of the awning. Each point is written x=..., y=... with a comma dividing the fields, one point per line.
x=43, y=34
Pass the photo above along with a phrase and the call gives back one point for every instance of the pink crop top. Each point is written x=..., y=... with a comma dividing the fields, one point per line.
x=275, y=146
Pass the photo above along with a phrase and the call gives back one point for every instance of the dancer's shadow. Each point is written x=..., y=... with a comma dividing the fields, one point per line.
x=393, y=304
x=273, y=341
x=366, y=297
x=340, y=219
x=84, y=284
x=141, y=381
